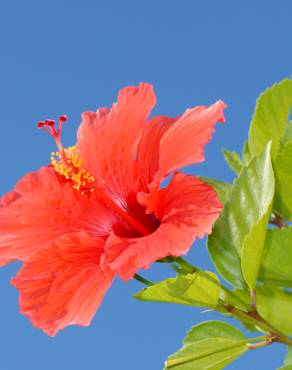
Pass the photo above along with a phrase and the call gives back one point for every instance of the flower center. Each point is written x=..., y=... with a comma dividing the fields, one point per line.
x=67, y=161
x=68, y=164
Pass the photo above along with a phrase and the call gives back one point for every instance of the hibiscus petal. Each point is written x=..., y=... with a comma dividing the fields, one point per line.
x=43, y=207
x=187, y=209
x=63, y=283
x=183, y=143
x=148, y=151
x=108, y=141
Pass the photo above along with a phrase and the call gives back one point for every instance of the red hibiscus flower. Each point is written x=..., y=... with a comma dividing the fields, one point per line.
x=98, y=210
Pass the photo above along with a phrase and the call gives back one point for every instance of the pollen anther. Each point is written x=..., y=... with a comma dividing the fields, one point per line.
x=68, y=164
x=67, y=161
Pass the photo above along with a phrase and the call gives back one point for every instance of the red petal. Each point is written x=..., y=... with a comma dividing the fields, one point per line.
x=63, y=284
x=42, y=208
x=9, y=198
x=108, y=141
x=148, y=153
x=183, y=143
x=187, y=209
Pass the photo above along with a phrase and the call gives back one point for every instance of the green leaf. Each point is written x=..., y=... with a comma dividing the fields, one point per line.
x=246, y=153
x=275, y=306
x=211, y=345
x=234, y=160
x=288, y=360
x=253, y=245
x=244, y=214
x=238, y=298
x=198, y=289
x=222, y=188
x=270, y=117
x=283, y=175
x=276, y=266
x=213, y=329
x=287, y=134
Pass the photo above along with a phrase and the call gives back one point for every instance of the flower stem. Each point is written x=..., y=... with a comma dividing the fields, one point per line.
x=261, y=344
x=251, y=316
x=253, y=299
x=277, y=220
x=254, y=318
x=142, y=280
x=185, y=265
x=177, y=269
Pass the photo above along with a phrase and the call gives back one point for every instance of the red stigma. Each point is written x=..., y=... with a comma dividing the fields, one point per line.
x=50, y=122
x=63, y=118
x=49, y=126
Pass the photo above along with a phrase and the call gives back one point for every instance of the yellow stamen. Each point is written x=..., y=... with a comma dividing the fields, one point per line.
x=69, y=164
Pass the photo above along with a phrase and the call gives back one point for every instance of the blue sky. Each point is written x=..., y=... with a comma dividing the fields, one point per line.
x=70, y=56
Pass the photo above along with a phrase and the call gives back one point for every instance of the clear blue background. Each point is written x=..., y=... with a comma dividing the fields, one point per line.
x=62, y=56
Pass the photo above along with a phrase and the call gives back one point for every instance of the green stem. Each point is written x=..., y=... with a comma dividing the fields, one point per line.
x=284, y=340
x=261, y=344
x=259, y=339
x=250, y=316
x=253, y=299
x=277, y=220
x=185, y=265
x=177, y=269
x=258, y=322
x=143, y=280
x=165, y=260
x=239, y=314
